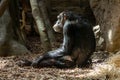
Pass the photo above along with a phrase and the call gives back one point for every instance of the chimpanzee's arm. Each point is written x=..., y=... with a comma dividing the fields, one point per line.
x=49, y=55
x=68, y=41
x=66, y=48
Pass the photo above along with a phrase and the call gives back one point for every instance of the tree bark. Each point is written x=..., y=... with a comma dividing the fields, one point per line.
x=43, y=8
x=14, y=13
x=40, y=24
x=3, y=6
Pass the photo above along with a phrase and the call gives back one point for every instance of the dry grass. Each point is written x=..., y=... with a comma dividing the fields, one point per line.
x=109, y=70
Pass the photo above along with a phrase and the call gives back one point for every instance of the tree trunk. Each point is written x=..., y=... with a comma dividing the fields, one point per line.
x=14, y=12
x=3, y=6
x=43, y=8
x=40, y=24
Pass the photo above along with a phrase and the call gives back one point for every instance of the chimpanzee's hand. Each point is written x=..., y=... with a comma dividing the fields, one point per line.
x=35, y=64
x=24, y=62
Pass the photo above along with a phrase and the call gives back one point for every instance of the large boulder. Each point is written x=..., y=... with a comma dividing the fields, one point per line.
x=107, y=13
x=9, y=45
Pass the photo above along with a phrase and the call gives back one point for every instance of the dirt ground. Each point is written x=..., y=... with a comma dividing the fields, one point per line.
x=9, y=70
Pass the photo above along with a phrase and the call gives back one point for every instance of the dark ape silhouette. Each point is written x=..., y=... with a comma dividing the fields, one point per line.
x=78, y=43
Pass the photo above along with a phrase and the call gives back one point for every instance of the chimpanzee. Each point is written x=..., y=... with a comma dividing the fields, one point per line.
x=78, y=43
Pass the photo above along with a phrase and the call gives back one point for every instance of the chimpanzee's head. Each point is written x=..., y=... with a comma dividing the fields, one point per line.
x=62, y=17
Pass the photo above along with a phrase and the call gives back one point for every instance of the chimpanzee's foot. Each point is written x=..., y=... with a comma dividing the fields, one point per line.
x=36, y=62
x=86, y=64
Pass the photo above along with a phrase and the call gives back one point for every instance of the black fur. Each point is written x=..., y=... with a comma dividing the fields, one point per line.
x=78, y=44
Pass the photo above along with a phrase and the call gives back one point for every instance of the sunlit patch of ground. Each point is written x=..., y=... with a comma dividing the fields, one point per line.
x=99, y=71
x=9, y=70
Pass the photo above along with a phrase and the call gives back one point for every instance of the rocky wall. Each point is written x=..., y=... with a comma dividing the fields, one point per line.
x=107, y=14
x=81, y=7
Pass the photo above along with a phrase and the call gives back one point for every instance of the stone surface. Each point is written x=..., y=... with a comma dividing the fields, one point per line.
x=9, y=46
x=81, y=7
x=107, y=13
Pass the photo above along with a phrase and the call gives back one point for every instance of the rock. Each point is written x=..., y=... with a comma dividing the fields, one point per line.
x=81, y=7
x=8, y=45
x=107, y=14
x=99, y=39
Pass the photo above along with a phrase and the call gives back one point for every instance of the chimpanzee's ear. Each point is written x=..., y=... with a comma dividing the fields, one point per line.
x=64, y=16
x=69, y=15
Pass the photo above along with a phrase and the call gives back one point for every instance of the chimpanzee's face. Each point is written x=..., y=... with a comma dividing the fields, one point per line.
x=58, y=26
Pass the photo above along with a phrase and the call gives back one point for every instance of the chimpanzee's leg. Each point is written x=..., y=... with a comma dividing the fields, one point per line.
x=66, y=48
x=50, y=55
x=63, y=62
